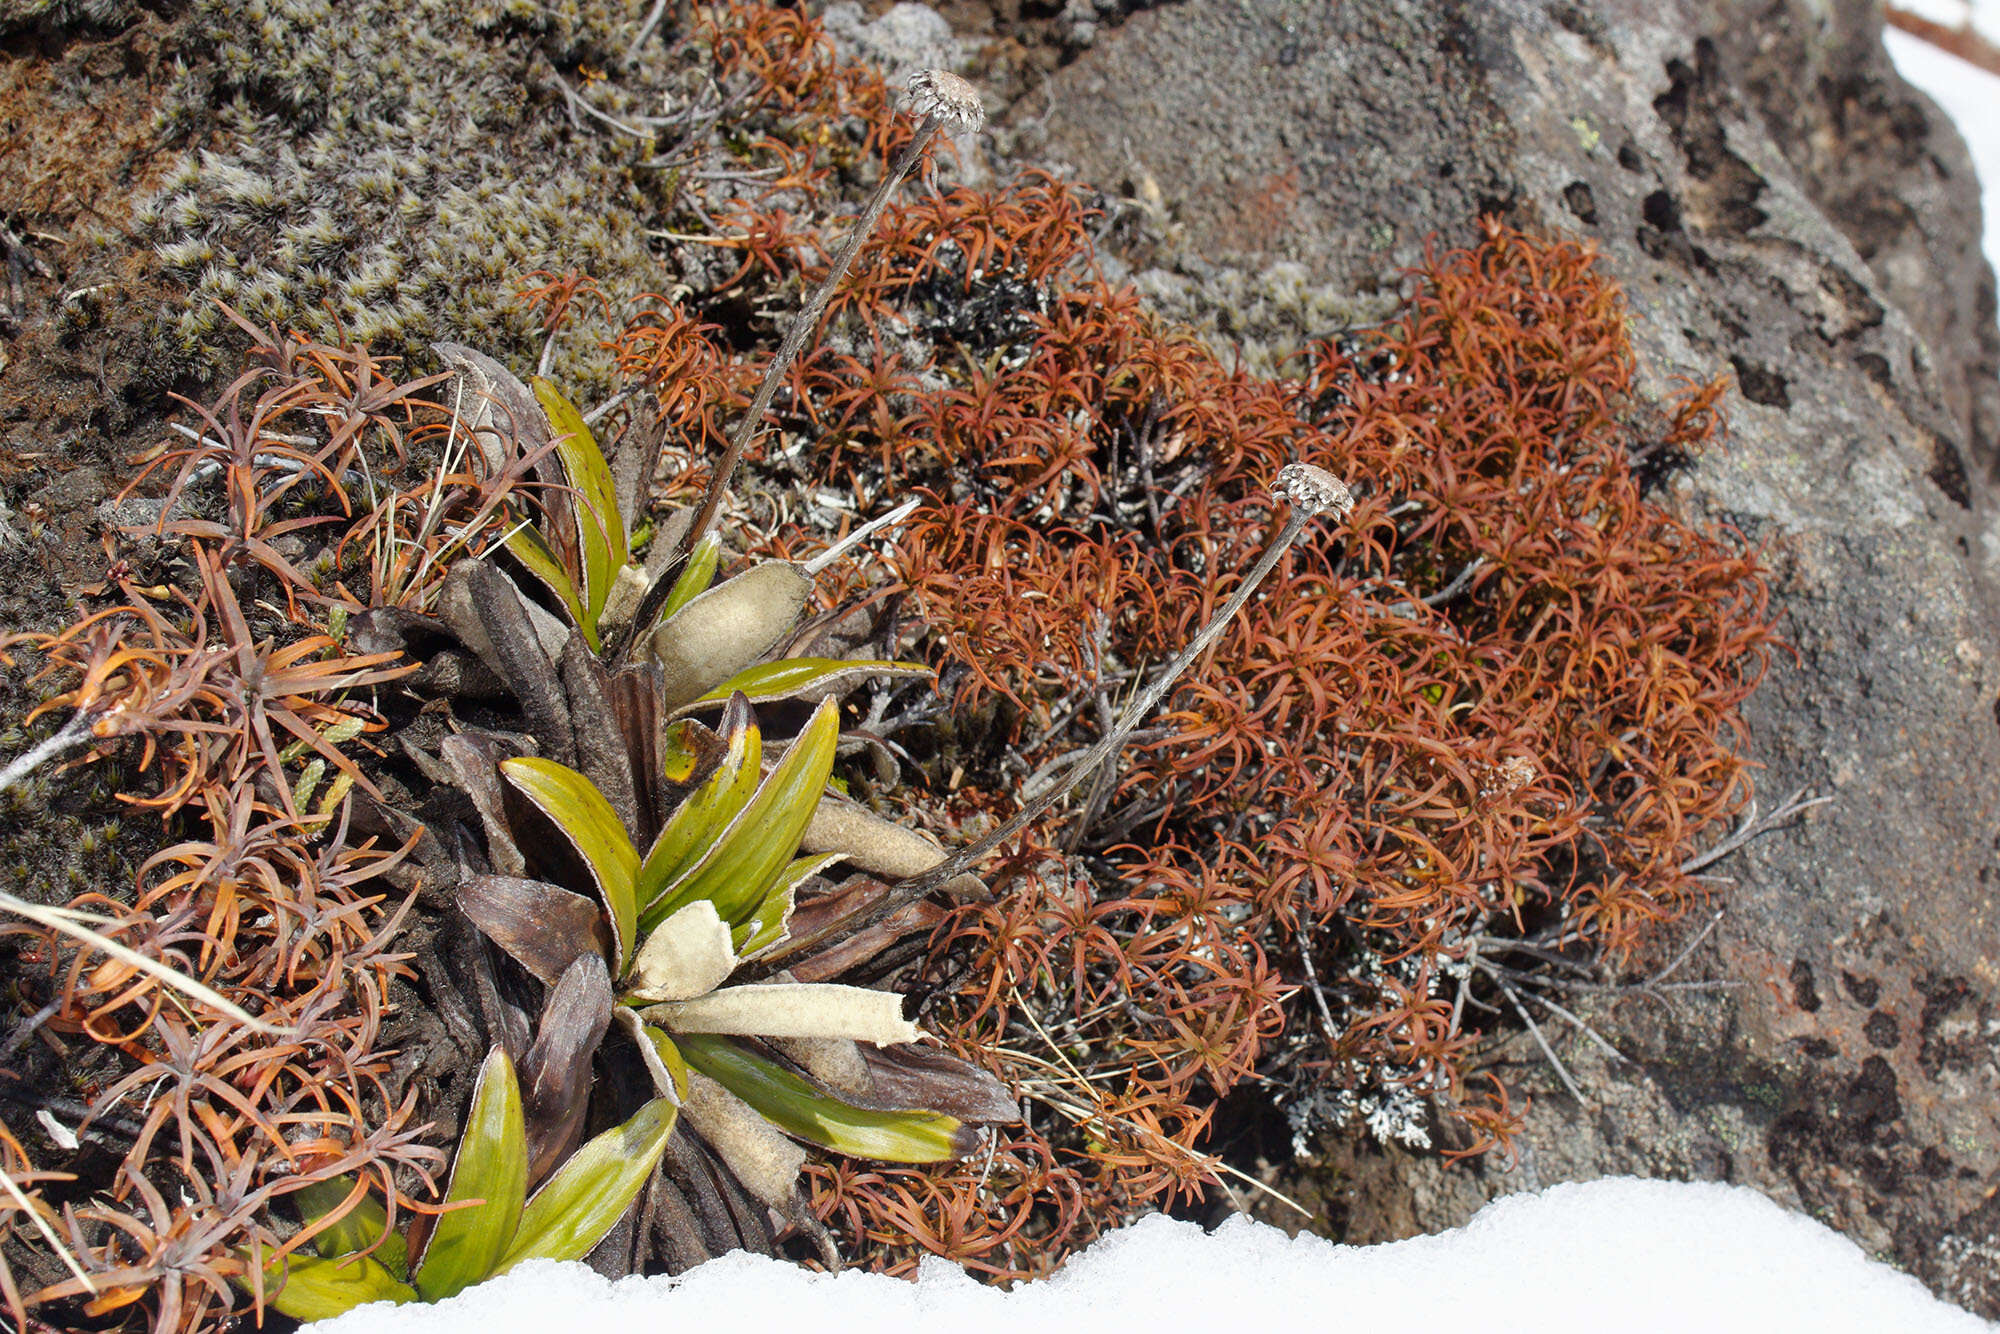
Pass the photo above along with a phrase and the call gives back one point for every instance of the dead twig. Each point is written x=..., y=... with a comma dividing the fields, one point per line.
x=1750, y=827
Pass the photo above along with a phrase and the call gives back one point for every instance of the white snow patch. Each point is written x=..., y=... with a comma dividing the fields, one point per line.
x=1618, y=1256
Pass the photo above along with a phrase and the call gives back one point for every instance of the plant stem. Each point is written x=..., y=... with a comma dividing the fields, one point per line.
x=71, y=735
x=751, y=424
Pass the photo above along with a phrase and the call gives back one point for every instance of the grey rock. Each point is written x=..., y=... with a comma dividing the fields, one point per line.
x=1779, y=205
x=135, y=513
x=906, y=38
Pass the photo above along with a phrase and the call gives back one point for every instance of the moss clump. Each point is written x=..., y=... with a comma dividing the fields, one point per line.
x=20, y=15
x=1259, y=319
x=394, y=168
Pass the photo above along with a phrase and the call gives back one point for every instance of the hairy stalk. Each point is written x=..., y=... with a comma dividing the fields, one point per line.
x=55, y=1242
x=69, y=922
x=860, y=535
x=1312, y=491
x=68, y=737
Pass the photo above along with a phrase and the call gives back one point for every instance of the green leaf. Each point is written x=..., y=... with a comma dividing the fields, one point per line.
x=356, y=1230
x=671, y=1061
x=584, y=1200
x=587, y=820
x=738, y=869
x=345, y=730
x=695, y=576
x=685, y=746
x=593, y=495
x=492, y=1169
x=799, y=1107
x=768, y=924
x=302, y=791
x=808, y=678
x=703, y=815
x=531, y=550
x=317, y=1289
x=657, y=1053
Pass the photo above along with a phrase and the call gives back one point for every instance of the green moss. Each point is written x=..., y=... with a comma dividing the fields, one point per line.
x=1260, y=318
x=389, y=170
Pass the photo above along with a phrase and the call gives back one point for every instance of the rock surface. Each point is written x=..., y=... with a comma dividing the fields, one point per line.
x=1779, y=205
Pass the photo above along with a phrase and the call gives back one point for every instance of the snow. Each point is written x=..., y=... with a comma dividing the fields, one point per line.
x=1971, y=97
x=1619, y=1256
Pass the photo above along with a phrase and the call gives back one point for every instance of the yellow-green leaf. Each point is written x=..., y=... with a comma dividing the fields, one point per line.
x=587, y=1196
x=357, y=1229
x=808, y=678
x=336, y=792
x=739, y=868
x=703, y=815
x=683, y=748
x=593, y=495
x=695, y=576
x=531, y=551
x=344, y=731
x=800, y=1108
x=317, y=1289
x=657, y=1052
x=594, y=829
x=671, y=1061
x=489, y=1178
x=302, y=791
x=767, y=926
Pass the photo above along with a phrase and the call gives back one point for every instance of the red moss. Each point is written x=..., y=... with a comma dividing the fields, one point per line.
x=1501, y=701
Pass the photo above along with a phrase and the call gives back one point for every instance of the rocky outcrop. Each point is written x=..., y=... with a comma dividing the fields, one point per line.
x=1780, y=207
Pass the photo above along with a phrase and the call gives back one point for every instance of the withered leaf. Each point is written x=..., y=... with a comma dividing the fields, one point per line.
x=555, y=1074
x=543, y=927
x=914, y=1075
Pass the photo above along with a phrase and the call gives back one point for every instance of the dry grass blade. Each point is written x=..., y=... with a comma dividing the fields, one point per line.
x=62, y=1252
x=70, y=923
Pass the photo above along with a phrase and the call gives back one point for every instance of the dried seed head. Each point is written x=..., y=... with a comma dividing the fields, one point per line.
x=1507, y=777
x=1315, y=489
x=940, y=93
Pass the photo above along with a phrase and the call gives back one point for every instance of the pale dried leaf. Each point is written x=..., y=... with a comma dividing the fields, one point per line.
x=762, y=1158
x=792, y=1010
x=687, y=955
x=726, y=629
